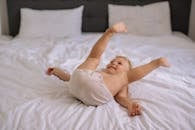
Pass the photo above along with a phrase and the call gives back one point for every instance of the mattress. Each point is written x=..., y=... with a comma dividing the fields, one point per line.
x=30, y=99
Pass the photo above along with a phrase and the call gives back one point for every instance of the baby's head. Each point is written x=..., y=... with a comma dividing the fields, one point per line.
x=119, y=64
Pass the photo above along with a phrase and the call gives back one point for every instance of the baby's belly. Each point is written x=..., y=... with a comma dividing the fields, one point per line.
x=114, y=85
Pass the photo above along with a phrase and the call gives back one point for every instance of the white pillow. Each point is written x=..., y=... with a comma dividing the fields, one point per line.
x=50, y=23
x=148, y=20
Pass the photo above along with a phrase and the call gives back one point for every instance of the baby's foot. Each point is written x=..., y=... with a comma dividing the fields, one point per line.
x=119, y=27
x=50, y=71
x=134, y=109
x=163, y=62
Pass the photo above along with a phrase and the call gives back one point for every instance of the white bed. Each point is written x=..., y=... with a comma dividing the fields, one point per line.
x=32, y=100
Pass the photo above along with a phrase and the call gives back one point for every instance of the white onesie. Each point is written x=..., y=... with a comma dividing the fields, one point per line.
x=88, y=86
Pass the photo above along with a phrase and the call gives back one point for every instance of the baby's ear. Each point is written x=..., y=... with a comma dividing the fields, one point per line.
x=126, y=30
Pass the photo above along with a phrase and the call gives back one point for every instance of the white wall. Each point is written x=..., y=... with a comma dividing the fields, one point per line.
x=192, y=21
x=3, y=18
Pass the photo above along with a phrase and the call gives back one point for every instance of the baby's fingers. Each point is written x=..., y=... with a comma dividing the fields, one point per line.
x=138, y=110
x=133, y=112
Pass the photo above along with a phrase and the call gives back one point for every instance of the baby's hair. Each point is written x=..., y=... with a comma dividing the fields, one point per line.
x=130, y=65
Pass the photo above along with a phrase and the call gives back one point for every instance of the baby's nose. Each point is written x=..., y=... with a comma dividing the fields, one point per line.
x=114, y=63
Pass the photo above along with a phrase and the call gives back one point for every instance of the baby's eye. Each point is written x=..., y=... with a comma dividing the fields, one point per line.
x=119, y=63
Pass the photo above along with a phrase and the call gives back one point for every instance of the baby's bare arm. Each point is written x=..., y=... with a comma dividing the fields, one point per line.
x=141, y=71
x=125, y=101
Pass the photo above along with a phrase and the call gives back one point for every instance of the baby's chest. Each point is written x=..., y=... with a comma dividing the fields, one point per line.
x=115, y=80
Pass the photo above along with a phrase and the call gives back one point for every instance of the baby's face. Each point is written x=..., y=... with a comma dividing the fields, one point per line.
x=118, y=65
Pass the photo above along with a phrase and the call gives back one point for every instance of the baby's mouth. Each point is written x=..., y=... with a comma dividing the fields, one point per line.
x=111, y=67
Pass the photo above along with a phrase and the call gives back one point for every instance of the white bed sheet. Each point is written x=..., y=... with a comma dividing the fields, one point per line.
x=32, y=100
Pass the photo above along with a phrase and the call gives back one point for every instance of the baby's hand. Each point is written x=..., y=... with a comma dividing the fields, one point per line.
x=134, y=109
x=119, y=27
x=164, y=62
x=50, y=71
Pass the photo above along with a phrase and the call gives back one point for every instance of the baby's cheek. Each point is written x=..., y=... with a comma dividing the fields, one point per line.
x=121, y=69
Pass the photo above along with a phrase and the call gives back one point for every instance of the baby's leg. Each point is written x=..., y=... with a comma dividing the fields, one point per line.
x=123, y=99
x=59, y=73
x=141, y=71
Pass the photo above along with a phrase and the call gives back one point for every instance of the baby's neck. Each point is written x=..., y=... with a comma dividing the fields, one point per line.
x=105, y=71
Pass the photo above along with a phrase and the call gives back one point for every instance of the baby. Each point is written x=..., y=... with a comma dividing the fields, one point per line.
x=95, y=87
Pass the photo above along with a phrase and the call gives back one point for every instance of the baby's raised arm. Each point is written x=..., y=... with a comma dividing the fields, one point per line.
x=141, y=71
x=93, y=59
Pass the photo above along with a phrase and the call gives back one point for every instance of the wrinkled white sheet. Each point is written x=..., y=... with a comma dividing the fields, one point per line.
x=29, y=99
